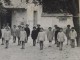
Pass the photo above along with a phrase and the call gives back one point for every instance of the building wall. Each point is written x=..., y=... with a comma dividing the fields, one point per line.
x=18, y=17
x=51, y=21
x=27, y=17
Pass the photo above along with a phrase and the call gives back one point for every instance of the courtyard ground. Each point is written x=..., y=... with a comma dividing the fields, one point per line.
x=15, y=52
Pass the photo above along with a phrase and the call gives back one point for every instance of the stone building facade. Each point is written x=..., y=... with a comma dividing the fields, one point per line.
x=32, y=14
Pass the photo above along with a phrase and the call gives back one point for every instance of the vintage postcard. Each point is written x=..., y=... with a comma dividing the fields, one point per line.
x=39, y=29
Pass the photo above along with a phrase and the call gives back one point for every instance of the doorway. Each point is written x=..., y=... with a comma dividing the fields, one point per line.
x=35, y=18
x=7, y=18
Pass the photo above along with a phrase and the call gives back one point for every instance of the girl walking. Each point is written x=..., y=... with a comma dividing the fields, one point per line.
x=73, y=35
x=7, y=36
x=50, y=36
x=3, y=31
x=23, y=36
x=34, y=35
x=61, y=38
x=41, y=38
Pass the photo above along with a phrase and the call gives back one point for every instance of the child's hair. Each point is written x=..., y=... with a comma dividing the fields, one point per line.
x=55, y=26
x=68, y=25
x=22, y=27
x=72, y=28
x=27, y=25
x=7, y=28
x=50, y=28
x=14, y=25
x=38, y=25
x=34, y=27
x=19, y=25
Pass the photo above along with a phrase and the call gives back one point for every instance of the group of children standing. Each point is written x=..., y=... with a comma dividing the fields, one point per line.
x=38, y=33
x=70, y=35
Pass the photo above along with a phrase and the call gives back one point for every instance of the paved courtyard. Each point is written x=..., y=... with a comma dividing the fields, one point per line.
x=15, y=52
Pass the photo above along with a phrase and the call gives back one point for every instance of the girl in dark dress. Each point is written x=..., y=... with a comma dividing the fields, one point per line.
x=34, y=35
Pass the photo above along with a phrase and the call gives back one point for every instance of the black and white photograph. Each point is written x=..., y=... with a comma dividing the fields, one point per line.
x=39, y=29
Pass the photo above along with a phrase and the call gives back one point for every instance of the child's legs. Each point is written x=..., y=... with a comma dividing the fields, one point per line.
x=2, y=41
x=14, y=39
x=34, y=42
x=7, y=43
x=41, y=45
x=55, y=40
x=26, y=40
x=23, y=44
x=61, y=45
x=18, y=40
x=58, y=43
x=50, y=42
x=72, y=43
x=68, y=40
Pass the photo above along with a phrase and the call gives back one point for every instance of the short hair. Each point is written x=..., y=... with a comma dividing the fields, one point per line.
x=55, y=26
x=38, y=25
x=68, y=25
x=34, y=27
x=19, y=25
x=7, y=27
x=50, y=28
x=27, y=24
x=72, y=28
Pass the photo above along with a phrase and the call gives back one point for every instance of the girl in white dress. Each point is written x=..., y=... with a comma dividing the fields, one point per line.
x=73, y=35
x=41, y=38
x=50, y=36
x=7, y=36
x=61, y=38
x=3, y=31
x=23, y=37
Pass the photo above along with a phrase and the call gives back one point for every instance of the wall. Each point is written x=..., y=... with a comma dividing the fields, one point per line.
x=51, y=21
x=27, y=17
x=18, y=17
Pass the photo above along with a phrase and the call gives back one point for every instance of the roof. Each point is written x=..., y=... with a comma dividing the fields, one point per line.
x=22, y=5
